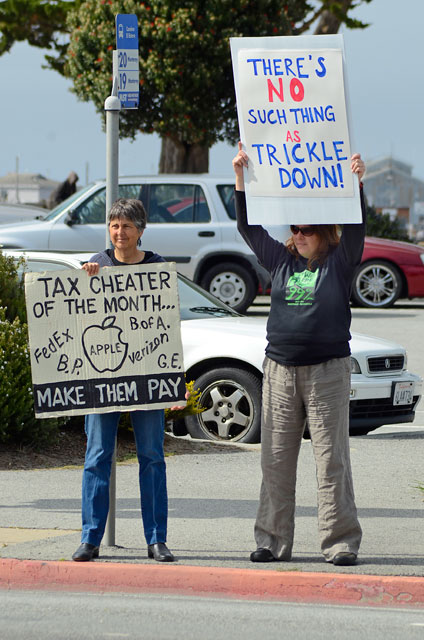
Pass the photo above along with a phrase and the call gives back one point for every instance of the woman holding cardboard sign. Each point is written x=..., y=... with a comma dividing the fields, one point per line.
x=126, y=221
x=306, y=377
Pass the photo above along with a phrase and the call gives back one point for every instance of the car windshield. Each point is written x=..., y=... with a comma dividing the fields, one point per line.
x=63, y=205
x=195, y=302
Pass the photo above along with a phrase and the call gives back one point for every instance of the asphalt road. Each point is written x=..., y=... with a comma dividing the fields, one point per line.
x=55, y=616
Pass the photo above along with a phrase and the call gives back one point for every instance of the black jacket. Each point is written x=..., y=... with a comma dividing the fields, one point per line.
x=309, y=320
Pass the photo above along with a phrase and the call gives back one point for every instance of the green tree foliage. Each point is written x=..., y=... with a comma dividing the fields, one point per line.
x=380, y=225
x=41, y=23
x=333, y=14
x=17, y=420
x=186, y=82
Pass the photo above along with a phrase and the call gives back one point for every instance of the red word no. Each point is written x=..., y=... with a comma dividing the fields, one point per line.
x=297, y=90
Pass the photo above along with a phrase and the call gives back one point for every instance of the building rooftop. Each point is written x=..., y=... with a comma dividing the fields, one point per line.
x=26, y=180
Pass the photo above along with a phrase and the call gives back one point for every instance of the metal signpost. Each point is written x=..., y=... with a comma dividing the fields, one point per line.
x=125, y=95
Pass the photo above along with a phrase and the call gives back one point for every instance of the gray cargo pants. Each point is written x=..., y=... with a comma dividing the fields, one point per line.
x=320, y=394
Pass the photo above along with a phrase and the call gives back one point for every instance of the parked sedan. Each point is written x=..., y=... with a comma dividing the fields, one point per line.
x=13, y=213
x=223, y=354
x=389, y=270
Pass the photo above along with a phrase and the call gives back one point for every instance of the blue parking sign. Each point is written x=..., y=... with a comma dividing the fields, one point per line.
x=127, y=58
x=126, y=31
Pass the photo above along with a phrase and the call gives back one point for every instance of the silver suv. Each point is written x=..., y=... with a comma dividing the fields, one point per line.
x=191, y=220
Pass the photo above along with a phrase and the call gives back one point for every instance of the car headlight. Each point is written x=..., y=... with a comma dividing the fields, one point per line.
x=354, y=366
x=422, y=257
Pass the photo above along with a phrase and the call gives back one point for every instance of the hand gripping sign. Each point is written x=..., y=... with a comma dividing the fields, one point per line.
x=294, y=125
x=103, y=343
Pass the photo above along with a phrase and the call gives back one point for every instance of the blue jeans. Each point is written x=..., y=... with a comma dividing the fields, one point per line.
x=149, y=435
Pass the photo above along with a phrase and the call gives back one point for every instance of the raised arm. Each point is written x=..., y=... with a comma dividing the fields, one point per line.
x=239, y=163
x=353, y=235
x=269, y=251
x=357, y=166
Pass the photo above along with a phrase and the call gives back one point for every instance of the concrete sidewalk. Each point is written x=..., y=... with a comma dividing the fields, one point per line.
x=212, y=507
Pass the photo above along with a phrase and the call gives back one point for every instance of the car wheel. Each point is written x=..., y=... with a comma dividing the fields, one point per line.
x=232, y=283
x=376, y=284
x=232, y=401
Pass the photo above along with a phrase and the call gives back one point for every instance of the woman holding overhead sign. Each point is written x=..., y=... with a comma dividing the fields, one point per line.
x=306, y=377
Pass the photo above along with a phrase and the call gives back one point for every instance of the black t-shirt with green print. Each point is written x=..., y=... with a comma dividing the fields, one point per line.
x=309, y=319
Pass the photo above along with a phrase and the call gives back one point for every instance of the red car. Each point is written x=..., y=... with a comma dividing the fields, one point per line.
x=389, y=270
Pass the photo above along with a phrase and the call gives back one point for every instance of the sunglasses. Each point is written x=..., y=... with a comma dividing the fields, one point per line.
x=305, y=231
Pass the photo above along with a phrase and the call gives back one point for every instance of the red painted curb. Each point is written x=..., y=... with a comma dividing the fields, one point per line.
x=193, y=580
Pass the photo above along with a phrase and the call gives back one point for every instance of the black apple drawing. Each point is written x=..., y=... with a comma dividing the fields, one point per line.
x=105, y=351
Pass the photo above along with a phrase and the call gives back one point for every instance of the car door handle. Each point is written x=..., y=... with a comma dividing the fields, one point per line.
x=206, y=234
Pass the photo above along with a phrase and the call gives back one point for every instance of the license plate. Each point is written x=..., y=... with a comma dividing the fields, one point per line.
x=403, y=393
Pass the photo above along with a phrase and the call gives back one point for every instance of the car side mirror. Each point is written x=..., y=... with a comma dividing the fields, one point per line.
x=71, y=218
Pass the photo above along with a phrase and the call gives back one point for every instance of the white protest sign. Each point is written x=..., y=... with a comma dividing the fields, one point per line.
x=294, y=125
x=109, y=342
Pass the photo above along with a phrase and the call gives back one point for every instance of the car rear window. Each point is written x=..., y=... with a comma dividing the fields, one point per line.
x=93, y=210
x=226, y=192
x=176, y=203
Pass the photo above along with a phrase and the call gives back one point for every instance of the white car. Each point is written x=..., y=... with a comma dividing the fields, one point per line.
x=223, y=354
x=191, y=221
x=17, y=213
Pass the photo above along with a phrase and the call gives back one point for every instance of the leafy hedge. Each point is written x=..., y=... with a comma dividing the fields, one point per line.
x=17, y=420
x=12, y=292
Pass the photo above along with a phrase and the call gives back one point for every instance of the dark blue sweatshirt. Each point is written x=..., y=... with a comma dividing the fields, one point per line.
x=309, y=319
x=107, y=258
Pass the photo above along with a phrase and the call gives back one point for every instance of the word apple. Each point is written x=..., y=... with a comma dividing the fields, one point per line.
x=104, y=347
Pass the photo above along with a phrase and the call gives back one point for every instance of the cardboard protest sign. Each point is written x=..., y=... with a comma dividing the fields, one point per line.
x=294, y=126
x=103, y=343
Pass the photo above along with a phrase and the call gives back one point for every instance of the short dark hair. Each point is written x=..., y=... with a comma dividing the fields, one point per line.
x=128, y=209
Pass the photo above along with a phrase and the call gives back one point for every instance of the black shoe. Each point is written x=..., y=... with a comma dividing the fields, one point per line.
x=344, y=559
x=160, y=552
x=86, y=552
x=262, y=555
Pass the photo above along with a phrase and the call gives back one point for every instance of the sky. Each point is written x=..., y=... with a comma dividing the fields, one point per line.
x=47, y=130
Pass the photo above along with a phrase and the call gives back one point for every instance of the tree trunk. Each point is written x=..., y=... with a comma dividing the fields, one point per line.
x=179, y=157
x=329, y=22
